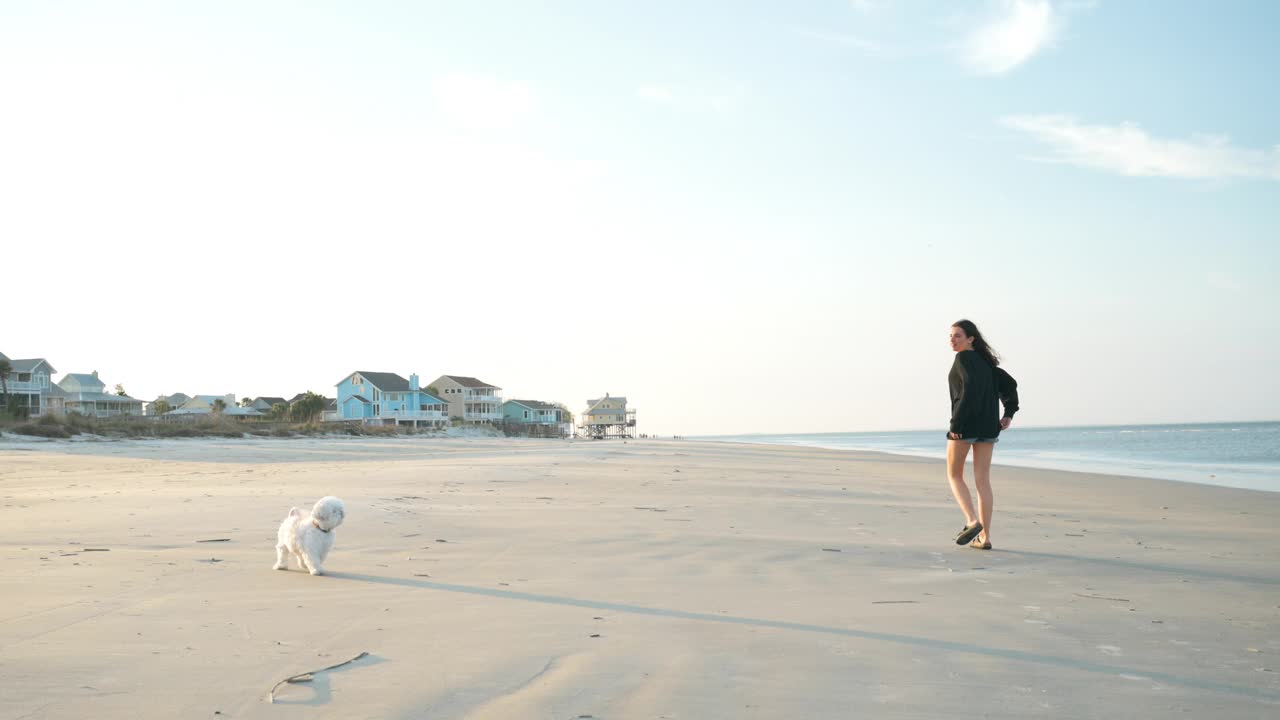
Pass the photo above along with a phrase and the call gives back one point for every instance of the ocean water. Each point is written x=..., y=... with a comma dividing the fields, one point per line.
x=1243, y=455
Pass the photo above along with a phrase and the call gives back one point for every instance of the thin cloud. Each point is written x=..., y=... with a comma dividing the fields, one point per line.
x=656, y=93
x=1128, y=150
x=482, y=102
x=1022, y=28
x=871, y=48
x=689, y=99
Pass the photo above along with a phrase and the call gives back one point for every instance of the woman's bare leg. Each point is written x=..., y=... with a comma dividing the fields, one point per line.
x=956, y=453
x=982, y=482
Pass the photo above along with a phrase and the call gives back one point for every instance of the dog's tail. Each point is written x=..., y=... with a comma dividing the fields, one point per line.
x=295, y=513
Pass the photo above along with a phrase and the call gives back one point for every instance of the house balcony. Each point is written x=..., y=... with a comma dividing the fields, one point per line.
x=27, y=386
x=414, y=415
x=481, y=416
x=482, y=399
x=538, y=420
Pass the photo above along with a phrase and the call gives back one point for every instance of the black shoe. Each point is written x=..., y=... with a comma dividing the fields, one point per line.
x=968, y=533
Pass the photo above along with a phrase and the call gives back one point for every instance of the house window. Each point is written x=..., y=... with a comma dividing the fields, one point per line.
x=526, y=414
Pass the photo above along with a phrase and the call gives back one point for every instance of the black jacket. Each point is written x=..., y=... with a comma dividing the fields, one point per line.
x=976, y=386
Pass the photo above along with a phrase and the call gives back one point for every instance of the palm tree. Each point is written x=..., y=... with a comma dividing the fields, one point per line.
x=6, y=369
x=219, y=405
x=161, y=406
x=306, y=409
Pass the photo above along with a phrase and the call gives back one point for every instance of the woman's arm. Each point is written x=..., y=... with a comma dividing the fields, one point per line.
x=1007, y=391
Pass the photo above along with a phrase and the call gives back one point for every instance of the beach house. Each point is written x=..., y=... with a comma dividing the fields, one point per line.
x=199, y=406
x=86, y=394
x=264, y=404
x=26, y=385
x=535, y=417
x=608, y=417
x=383, y=398
x=472, y=401
x=173, y=402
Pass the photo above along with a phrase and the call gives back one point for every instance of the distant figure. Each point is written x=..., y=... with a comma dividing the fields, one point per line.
x=977, y=382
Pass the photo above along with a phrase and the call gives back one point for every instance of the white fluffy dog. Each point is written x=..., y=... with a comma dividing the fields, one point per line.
x=309, y=537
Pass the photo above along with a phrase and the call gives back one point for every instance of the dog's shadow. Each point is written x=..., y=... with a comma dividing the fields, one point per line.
x=319, y=687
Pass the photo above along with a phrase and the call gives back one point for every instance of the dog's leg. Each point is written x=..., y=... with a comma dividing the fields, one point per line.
x=282, y=563
x=313, y=565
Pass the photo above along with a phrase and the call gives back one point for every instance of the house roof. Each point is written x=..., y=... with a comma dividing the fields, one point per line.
x=471, y=382
x=384, y=381
x=536, y=404
x=30, y=364
x=99, y=397
x=270, y=401
x=592, y=403
x=209, y=399
x=229, y=410
x=82, y=379
x=357, y=397
x=175, y=399
x=301, y=396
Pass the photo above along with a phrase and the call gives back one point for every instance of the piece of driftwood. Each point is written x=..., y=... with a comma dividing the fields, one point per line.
x=308, y=676
x=1099, y=597
x=216, y=540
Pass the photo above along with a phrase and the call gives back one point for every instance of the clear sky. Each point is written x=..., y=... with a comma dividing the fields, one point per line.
x=744, y=216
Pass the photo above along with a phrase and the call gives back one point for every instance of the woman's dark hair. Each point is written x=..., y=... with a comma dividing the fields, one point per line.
x=979, y=342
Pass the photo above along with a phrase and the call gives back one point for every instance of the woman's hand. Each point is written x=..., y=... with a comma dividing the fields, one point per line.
x=953, y=436
x=1005, y=423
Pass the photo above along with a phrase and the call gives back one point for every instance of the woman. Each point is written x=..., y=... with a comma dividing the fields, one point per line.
x=976, y=384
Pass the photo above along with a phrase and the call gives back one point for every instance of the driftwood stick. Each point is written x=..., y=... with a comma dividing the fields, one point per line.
x=1099, y=597
x=308, y=676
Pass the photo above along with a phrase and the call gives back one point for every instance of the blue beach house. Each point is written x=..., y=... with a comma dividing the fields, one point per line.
x=382, y=398
x=535, y=417
x=531, y=412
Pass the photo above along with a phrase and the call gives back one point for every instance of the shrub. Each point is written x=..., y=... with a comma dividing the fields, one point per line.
x=42, y=430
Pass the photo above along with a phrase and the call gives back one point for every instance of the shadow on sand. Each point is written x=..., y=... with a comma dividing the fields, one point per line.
x=910, y=640
x=318, y=685
x=1200, y=573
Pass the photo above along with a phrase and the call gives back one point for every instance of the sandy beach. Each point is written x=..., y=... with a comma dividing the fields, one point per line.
x=497, y=578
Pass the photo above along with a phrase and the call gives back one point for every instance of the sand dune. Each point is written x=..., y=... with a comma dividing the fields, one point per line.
x=497, y=579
